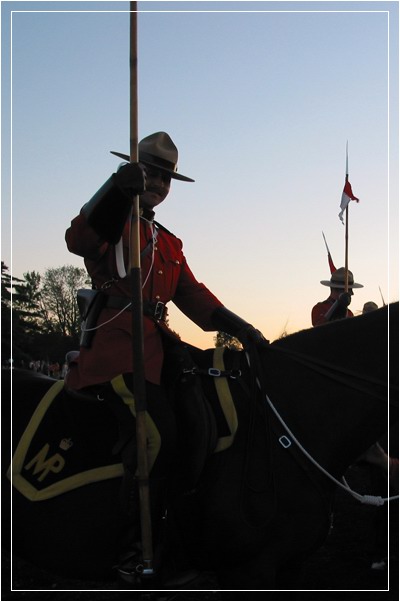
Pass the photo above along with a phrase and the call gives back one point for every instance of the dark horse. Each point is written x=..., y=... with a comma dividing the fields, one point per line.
x=260, y=505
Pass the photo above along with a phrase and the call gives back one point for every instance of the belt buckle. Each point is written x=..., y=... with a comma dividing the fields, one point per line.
x=159, y=310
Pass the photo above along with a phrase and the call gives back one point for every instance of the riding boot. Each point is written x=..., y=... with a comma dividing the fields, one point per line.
x=130, y=564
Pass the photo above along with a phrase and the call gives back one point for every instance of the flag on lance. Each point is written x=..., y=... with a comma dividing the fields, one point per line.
x=347, y=196
x=330, y=260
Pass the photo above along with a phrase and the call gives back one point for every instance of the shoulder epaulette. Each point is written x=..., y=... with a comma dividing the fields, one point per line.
x=161, y=227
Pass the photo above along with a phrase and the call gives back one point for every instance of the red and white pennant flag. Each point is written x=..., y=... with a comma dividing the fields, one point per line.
x=347, y=196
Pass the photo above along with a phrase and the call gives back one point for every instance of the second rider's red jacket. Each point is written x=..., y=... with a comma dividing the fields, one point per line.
x=320, y=310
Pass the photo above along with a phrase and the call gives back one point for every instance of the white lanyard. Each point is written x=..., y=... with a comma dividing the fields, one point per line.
x=119, y=252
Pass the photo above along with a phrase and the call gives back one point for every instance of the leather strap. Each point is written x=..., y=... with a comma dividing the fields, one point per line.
x=156, y=310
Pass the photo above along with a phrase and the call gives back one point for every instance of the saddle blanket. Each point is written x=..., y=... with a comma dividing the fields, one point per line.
x=69, y=443
x=66, y=444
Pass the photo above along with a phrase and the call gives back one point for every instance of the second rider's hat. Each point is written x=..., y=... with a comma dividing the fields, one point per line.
x=338, y=280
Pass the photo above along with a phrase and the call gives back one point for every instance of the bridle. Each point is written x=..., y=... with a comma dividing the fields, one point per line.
x=252, y=355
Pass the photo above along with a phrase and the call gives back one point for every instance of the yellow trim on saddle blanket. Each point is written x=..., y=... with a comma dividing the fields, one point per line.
x=153, y=435
x=43, y=463
x=226, y=401
x=54, y=463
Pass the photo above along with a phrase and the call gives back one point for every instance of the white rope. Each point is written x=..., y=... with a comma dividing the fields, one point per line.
x=373, y=500
x=154, y=236
x=122, y=273
x=107, y=321
x=365, y=499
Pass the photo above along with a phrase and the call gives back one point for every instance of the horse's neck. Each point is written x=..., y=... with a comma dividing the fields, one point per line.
x=312, y=383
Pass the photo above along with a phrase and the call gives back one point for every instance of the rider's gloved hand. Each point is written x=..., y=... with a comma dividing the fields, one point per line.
x=344, y=299
x=250, y=335
x=108, y=209
x=131, y=177
x=226, y=321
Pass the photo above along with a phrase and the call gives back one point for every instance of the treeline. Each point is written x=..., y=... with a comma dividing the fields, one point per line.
x=40, y=318
x=39, y=315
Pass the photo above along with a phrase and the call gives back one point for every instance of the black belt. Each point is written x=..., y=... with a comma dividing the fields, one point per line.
x=156, y=310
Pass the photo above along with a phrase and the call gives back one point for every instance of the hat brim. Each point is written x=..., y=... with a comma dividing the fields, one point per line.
x=337, y=285
x=174, y=175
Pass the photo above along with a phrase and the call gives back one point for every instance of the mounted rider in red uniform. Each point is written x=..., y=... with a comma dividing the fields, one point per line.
x=100, y=234
x=336, y=306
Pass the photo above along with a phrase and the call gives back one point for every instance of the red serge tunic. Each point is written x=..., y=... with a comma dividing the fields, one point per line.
x=320, y=310
x=165, y=277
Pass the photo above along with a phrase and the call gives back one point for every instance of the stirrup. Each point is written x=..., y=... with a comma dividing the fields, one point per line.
x=130, y=567
x=133, y=577
x=130, y=572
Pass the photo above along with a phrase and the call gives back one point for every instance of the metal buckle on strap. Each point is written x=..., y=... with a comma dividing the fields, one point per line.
x=225, y=373
x=235, y=374
x=159, y=310
x=285, y=441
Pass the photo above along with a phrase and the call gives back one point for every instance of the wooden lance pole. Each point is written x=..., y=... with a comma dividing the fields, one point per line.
x=346, y=253
x=346, y=237
x=139, y=386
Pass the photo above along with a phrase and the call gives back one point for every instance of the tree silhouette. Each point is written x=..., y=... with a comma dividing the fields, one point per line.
x=40, y=314
x=222, y=339
x=58, y=299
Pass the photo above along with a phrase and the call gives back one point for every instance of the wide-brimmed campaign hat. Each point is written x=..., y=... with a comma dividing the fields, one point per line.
x=369, y=306
x=338, y=279
x=159, y=151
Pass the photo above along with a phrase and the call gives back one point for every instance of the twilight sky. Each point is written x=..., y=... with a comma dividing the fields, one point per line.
x=259, y=97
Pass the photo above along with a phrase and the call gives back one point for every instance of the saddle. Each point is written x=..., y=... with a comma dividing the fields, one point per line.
x=206, y=416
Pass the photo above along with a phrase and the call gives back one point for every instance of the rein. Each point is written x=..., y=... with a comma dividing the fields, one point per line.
x=286, y=442
x=373, y=500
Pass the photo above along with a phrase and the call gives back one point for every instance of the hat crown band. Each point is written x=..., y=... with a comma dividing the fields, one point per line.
x=340, y=281
x=155, y=160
